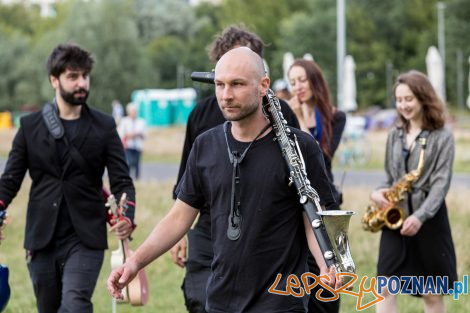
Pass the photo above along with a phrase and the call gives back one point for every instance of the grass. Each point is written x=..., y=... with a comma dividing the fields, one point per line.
x=165, y=278
x=154, y=199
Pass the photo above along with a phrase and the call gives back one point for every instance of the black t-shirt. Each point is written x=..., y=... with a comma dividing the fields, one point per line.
x=273, y=239
x=64, y=226
x=205, y=116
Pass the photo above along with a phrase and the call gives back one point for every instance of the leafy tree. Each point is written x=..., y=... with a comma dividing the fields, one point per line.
x=264, y=18
x=457, y=17
x=11, y=46
x=158, y=18
x=107, y=28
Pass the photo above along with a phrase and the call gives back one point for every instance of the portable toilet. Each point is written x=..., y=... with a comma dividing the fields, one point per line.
x=183, y=103
x=154, y=106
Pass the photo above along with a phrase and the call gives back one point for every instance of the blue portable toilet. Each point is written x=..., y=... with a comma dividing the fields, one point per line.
x=154, y=106
x=183, y=103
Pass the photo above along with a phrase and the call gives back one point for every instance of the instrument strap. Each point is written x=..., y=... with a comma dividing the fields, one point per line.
x=50, y=114
x=235, y=216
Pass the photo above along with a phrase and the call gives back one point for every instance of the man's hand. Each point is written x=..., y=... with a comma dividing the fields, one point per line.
x=331, y=273
x=178, y=252
x=122, y=229
x=120, y=278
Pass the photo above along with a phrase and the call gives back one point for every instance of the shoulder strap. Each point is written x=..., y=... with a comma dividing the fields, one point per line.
x=56, y=129
x=51, y=118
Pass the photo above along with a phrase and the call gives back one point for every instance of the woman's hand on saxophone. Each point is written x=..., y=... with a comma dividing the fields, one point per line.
x=378, y=197
x=411, y=226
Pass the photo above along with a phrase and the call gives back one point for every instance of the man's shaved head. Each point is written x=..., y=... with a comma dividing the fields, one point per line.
x=243, y=60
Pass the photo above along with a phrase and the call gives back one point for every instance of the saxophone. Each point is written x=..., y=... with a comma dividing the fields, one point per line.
x=393, y=216
x=330, y=227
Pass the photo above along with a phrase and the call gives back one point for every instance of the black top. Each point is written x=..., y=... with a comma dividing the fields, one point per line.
x=205, y=116
x=338, y=124
x=272, y=237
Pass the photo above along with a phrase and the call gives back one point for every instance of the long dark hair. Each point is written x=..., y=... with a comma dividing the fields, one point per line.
x=321, y=98
x=432, y=106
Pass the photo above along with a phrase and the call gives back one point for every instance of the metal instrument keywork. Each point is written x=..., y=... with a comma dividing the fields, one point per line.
x=393, y=216
x=329, y=226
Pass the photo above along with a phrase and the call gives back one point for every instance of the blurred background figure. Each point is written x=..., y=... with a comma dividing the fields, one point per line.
x=281, y=89
x=118, y=111
x=318, y=117
x=132, y=131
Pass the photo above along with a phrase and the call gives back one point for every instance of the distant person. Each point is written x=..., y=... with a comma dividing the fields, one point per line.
x=281, y=89
x=132, y=130
x=318, y=117
x=65, y=148
x=118, y=111
x=205, y=116
x=258, y=227
x=423, y=246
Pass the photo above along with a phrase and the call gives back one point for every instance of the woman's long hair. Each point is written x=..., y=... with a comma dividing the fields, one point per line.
x=432, y=106
x=321, y=98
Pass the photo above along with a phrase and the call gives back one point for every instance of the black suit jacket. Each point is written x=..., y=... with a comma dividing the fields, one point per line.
x=34, y=149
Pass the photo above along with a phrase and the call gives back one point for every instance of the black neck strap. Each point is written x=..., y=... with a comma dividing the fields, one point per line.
x=235, y=217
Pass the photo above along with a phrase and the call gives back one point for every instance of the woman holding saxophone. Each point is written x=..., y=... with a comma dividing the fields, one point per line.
x=423, y=245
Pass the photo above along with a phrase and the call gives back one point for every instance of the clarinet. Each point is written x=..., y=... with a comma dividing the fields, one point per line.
x=329, y=227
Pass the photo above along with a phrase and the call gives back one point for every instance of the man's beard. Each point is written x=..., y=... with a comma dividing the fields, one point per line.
x=244, y=113
x=70, y=98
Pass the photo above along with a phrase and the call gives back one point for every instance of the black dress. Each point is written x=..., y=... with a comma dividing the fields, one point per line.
x=430, y=253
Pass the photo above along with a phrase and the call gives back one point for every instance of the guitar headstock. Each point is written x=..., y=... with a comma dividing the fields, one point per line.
x=117, y=210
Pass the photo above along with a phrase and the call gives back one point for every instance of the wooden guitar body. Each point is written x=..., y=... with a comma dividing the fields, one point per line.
x=136, y=292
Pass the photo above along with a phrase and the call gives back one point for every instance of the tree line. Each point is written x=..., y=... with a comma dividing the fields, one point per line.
x=157, y=43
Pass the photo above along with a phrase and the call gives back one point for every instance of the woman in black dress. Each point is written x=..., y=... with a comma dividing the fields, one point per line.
x=423, y=246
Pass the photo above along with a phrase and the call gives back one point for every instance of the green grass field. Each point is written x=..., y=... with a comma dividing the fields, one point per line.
x=165, y=278
x=164, y=145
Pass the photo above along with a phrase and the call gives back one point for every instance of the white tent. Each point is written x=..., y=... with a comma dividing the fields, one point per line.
x=287, y=61
x=468, y=98
x=349, y=84
x=435, y=71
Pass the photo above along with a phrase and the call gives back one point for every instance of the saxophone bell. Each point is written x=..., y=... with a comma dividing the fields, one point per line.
x=336, y=224
x=375, y=218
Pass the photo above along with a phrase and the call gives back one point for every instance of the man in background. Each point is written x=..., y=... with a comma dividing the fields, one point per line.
x=132, y=131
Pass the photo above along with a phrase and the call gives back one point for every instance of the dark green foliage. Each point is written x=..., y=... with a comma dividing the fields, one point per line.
x=158, y=43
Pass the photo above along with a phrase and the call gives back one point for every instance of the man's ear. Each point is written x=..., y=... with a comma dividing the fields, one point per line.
x=54, y=81
x=265, y=83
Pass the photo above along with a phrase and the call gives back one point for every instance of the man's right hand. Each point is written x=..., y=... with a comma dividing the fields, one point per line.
x=120, y=278
x=178, y=252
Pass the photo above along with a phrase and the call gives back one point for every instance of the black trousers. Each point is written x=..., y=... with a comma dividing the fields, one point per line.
x=64, y=276
x=198, y=270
